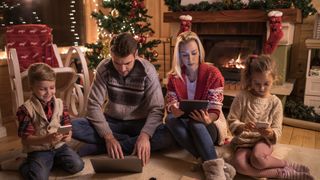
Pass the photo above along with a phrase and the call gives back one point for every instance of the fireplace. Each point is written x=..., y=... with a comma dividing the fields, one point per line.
x=228, y=52
x=236, y=33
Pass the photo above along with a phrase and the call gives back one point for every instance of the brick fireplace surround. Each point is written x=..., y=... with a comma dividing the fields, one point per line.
x=247, y=23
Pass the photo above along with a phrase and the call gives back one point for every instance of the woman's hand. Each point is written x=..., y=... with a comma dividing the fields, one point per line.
x=201, y=116
x=176, y=111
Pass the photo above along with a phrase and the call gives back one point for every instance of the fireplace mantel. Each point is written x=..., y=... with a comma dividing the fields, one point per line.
x=291, y=15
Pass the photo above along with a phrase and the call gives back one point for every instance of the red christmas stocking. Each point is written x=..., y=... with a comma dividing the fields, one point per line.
x=185, y=24
x=276, y=33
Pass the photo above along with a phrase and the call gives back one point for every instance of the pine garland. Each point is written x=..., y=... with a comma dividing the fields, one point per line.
x=305, y=6
x=296, y=109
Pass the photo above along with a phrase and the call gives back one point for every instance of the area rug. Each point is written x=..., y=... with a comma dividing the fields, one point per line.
x=178, y=164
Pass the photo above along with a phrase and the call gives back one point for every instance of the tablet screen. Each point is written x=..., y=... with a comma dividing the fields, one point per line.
x=189, y=105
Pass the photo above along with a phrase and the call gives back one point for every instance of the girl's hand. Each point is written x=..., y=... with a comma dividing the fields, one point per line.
x=249, y=126
x=268, y=132
x=176, y=112
x=201, y=116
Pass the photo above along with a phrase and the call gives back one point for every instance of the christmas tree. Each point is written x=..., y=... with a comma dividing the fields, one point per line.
x=125, y=16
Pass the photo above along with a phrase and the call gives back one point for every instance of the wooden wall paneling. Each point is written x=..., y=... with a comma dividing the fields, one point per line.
x=165, y=27
x=156, y=10
x=299, y=55
x=91, y=25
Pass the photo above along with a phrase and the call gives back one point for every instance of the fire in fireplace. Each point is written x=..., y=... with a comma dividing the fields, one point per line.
x=228, y=52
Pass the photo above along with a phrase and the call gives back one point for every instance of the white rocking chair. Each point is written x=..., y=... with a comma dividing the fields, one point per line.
x=28, y=44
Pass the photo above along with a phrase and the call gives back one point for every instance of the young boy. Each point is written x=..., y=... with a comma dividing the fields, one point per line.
x=39, y=119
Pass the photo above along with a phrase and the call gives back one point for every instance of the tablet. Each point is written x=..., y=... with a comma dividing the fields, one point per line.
x=187, y=106
x=106, y=164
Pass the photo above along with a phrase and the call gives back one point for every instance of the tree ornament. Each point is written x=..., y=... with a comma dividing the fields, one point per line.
x=136, y=37
x=134, y=3
x=143, y=39
x=132, y=13
x=185, y=23
x=115, y=13
x=155, y=53
x=276, y=33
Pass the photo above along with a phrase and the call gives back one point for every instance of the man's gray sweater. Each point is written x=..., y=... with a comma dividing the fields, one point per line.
x=138, y=96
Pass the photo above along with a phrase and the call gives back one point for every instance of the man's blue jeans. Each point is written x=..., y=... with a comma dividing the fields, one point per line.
x=126, y=132
x=193, y=136
x=39, y=163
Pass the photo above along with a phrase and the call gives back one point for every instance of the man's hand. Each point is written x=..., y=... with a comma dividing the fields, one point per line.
x=142, y=148
x=176, y=111
x=113, y=147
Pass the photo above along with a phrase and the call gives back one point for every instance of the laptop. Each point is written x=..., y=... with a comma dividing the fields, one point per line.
x=106, y=164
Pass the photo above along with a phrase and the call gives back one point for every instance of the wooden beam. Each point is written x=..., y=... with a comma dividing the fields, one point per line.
x=228, y=16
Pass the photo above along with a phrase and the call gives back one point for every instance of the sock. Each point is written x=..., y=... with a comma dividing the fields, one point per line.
x=289, y=173
x=276, y=33
x=298, y=167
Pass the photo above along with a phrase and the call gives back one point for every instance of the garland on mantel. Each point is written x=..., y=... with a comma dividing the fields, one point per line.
x=305, y=6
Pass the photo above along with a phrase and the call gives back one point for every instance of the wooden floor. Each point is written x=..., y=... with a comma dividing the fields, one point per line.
x=300, y=137
x=290, y=135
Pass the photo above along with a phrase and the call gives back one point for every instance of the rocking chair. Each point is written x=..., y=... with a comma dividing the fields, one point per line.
x=32, y=43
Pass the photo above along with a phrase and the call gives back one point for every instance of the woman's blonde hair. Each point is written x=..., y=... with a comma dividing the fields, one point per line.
x=257, y=64
x=184, y=38
x=40, y=72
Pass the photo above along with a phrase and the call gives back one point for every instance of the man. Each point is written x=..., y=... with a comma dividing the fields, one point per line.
x=127, y=88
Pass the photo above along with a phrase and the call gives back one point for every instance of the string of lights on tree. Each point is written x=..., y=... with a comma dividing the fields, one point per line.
x=125, y=16
x=12, y=14
x=73, y=23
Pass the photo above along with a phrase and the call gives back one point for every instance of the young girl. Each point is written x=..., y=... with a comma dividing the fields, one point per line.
x=254, y=144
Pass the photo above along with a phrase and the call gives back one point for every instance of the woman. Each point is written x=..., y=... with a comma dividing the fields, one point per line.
x=191, y=78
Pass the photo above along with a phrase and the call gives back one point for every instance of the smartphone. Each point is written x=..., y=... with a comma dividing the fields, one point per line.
x=64, y=129
x=262, y=125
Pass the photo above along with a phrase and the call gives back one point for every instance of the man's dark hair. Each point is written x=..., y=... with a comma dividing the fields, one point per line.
x=123, y=45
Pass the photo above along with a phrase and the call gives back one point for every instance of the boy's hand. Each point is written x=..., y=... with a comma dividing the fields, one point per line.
x=54, y=138
x=67, y=137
